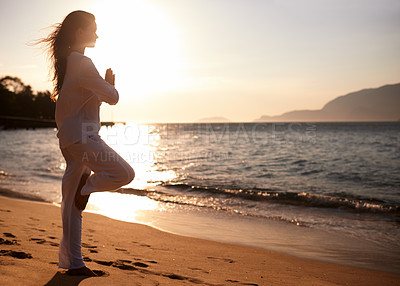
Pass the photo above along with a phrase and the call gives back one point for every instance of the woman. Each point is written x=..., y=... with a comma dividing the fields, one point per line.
x=79, y=91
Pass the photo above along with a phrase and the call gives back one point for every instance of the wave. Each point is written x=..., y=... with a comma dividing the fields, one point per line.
x=171, y=199
x=266, y=175
x=340, y=201
x=299, y=162
x=311, y=172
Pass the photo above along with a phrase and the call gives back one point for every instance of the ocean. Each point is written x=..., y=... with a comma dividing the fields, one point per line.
x=327, y=191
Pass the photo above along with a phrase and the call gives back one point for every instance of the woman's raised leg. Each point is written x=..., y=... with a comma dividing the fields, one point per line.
x=110, y=170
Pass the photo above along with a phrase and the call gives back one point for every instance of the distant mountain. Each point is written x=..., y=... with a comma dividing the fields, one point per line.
x=214, y=119
x=375, y=104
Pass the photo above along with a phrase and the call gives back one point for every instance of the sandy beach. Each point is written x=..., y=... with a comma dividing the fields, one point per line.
x=133, y=254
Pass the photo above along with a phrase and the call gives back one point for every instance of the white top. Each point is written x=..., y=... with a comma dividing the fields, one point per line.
x=78, y=104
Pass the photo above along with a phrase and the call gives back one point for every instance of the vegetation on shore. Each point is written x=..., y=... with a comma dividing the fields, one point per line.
x=18, y=99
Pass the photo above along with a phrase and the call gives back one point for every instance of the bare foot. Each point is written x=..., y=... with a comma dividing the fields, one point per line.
x=81, y=200
x=84, y=271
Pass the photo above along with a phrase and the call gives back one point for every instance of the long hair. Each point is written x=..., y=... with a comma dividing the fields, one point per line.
x=58, y=44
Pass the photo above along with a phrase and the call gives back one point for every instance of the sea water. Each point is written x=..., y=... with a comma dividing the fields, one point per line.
x=329, y=191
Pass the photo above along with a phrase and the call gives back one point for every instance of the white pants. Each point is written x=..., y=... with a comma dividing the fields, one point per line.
x=110, y=172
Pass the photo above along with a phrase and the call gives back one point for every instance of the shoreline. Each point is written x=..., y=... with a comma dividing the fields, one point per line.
x=125, y=252
x=273, y=235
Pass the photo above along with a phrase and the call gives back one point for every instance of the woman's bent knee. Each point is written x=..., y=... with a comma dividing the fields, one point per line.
x=126, y=175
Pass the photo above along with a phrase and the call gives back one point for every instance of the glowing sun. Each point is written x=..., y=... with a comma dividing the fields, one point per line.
x=140, y=43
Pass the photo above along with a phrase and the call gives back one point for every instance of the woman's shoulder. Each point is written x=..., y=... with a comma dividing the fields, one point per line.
x=80, y=60
x=78, y=56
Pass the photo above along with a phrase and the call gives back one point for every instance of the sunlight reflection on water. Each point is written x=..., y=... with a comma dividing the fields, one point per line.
x=120, y=206
x=137, y=144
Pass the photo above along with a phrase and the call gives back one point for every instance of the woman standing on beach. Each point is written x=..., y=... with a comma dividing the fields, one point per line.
x=79, y=91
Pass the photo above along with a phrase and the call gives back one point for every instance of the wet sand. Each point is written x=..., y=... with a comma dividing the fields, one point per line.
x=133, y=254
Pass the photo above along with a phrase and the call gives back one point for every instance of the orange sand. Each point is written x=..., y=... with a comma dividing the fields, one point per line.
x=134, y=254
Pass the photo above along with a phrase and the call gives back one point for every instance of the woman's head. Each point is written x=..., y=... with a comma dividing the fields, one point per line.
x=86, y=37
x=78, y=29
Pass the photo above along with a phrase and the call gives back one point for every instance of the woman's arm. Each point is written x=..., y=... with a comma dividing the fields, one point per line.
x=89, y=78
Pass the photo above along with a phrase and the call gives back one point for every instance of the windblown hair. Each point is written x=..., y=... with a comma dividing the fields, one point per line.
x=58, y=44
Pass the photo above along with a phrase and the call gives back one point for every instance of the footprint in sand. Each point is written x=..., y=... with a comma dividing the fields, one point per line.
x=124, y=260
x=54, y=224
x=130, y=266
x=140, y=264
x=43, y=241
x=222, y=259
x=8, y=242
x=241, y=283
x=180, y=277
x=88, y=245
x=173, y=276
x=7, y=234
x=38, y=240
x=198, y=269
x=122, y=264
x=141, y=244
x=101, y=262
x=16, y=254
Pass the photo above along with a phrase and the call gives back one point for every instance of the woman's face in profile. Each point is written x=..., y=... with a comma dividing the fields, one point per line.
x=88, y=36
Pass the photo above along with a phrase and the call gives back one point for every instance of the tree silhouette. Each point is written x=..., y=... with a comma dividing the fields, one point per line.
x=18, y=99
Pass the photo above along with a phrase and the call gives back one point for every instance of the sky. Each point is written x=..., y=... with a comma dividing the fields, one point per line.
x=184, y=60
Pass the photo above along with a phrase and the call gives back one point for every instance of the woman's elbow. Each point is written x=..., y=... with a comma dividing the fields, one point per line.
x=114, y=101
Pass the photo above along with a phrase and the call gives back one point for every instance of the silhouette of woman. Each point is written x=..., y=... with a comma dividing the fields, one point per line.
x=79, y=91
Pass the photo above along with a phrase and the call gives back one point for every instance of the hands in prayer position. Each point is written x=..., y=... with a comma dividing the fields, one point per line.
x=110, y=76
